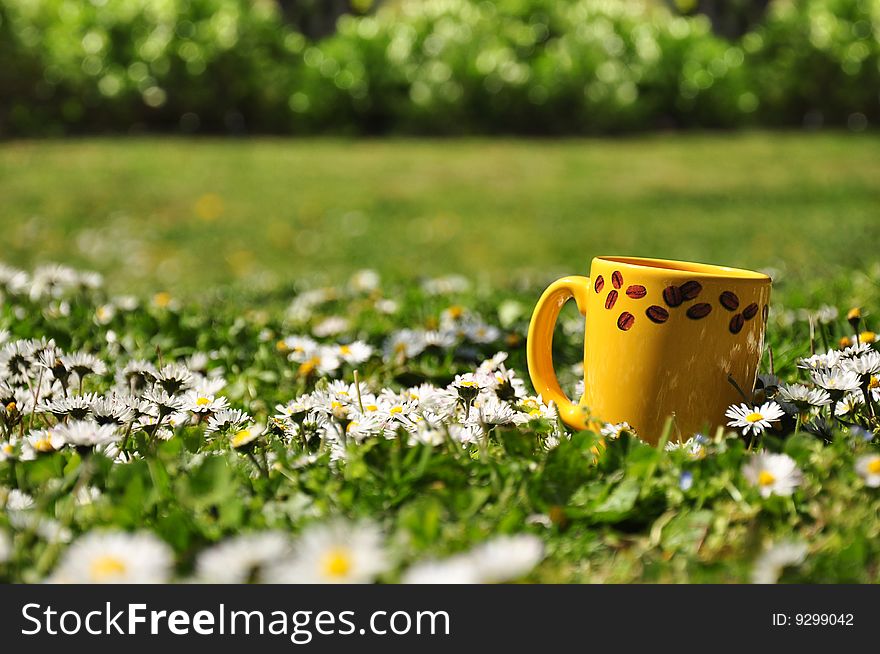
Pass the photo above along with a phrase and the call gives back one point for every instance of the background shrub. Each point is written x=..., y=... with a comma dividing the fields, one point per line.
x=445, y=67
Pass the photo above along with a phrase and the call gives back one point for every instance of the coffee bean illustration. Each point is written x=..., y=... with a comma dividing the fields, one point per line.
x=750, y=311
x=625, y=321
x=636, y=291
x=729, y=301
x=700, y=310
x=672, y=296
x=600, y=284
x=616, y=279
x=611, y=299
x=690, y=290
x=736, y=323
x=657, y=314
x=766, y=312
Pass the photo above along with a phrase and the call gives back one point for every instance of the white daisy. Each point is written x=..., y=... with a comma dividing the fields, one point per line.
x=868, y=467
x=83, y=363
x=499, y=560
x=613, y=431
x=40, y=441
x=364, y=281
x=479, y=332
x=454, y=570
x=770, y=565
x=85, y=433
x=204, y=403
x=227, y=420
x=864, y=365
x=506, y=558
x=17, y=500
x=330, y=326
x=773, y=474
x=803, y=396
x=335, y=553
x=242, y=438
x=243, y=558
x=404, y=344
x=825, y=361
x=8, y=449
x=355, y=352
x=115, y=557
x=754, y=419
x=174, y=377
x=842, y=381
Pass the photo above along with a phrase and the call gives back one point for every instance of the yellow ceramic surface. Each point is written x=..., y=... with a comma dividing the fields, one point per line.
x=661, y=339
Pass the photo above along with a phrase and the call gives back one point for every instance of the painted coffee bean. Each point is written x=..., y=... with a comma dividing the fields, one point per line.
x=672, y=296
x=736, y=323
x=625, y=321
x=657, y=314
x=700, y=310
x=729, y=301
x=616, y=279
x=636, y=291
x=750, y=311
x=611, y=299
x=766, y=312
x=600, y=284
x=690, y=290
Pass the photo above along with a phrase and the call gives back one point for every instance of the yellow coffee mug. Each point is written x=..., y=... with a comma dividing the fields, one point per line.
x=663, y=338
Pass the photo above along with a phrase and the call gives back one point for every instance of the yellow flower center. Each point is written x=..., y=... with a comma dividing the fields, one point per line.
x=202, y=401
x=874, y=383
x=43, y=445
x=106, y=567
x=281, y=346
x=754, y=417
x=351, y=425
x=456, y=312
x=372, y=407
x=307, y=367
x=162, y=299
x=469, y=384
x=7, y=448
x=344, y=349
x=336, y=564
x=874, y=466
x=867, y=337
x=766, y=478
x=11, y=406
x=396, y=409
x=240, y=437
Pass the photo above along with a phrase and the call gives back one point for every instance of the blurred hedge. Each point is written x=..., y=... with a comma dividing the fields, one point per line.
x=442, y=66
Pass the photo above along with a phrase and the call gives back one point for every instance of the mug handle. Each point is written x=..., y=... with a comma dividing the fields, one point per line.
x=540, y=343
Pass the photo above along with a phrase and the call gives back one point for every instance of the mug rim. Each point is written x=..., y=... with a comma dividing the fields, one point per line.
x=689, y=268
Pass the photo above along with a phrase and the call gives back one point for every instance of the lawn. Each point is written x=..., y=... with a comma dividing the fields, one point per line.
x=195, y=418
x=191, y=214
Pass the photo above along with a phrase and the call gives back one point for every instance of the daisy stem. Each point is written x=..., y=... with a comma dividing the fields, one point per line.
x=812, y=335
x=357, y=386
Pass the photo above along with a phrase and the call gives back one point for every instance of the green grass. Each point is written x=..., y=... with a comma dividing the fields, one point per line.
x=283, y=211
x=293, y=209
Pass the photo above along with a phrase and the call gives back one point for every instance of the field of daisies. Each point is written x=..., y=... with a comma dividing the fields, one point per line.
x=387, y=432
